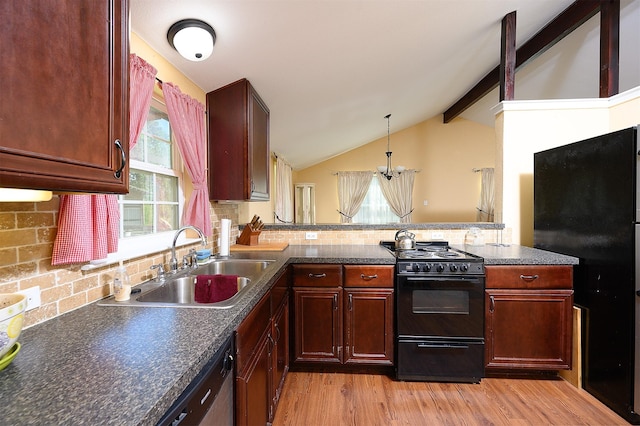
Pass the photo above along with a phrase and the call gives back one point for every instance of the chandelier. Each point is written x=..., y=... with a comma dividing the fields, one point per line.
x=387, y=171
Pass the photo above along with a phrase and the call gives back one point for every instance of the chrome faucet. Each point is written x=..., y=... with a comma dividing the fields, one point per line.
x=173, y=263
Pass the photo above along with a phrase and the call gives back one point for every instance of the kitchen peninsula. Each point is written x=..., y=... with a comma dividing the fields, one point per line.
x=126, y=365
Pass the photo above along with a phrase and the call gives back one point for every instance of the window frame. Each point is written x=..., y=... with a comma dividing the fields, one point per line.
x=141, y=245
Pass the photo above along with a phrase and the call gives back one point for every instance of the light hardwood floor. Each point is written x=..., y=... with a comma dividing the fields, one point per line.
x=362, y=399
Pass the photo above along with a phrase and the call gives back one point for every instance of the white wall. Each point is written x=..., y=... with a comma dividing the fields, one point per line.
x=526, y=127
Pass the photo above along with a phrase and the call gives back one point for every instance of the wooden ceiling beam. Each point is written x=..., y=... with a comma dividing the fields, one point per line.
x=609, y=47
x=562, y=25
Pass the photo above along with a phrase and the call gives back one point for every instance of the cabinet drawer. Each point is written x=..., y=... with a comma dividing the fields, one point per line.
x=529, y=277
x=368, y=276
x=317, y=275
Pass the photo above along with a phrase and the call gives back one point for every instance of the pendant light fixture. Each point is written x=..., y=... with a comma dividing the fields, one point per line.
x=192, y=38
x=387, y=171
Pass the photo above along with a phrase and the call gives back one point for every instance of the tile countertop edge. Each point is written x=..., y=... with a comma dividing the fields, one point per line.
x=124, y=365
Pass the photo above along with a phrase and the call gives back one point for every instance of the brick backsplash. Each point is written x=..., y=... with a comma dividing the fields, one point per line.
x=27, y=233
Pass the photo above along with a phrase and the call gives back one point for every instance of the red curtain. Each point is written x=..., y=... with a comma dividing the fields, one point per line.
x=187, y=118
x=88, y=225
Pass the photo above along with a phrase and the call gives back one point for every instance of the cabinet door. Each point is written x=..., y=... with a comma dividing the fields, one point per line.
x=368, y=326
x=238, y=143
x=318, y=324
x=65, y=65
x=253, y=396
x=528, y=329
x=280, y=335
x=258, y=147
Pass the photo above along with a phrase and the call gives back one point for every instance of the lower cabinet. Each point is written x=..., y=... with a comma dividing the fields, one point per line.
x=528, y=321
x=343, y=314
x=262, y=357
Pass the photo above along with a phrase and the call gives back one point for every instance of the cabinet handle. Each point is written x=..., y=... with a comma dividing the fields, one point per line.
x=528, y=277
x=277, y=332
x=492, y=304
x=317, y=275
x=335, y=302
x=123, y=161
x=351, y=302
x=368, y=277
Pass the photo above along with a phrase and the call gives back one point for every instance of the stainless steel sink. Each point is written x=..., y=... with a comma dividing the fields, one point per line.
x=242, y=267
x=179, y=290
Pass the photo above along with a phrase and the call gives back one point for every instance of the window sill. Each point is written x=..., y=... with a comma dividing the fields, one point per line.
x=131, y=248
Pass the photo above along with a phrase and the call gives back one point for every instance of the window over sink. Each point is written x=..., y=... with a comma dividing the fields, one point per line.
x=155, y=199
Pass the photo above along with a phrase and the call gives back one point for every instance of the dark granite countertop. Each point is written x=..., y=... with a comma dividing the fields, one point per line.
x=387, y=226
x=126, y=365
x=514, y=254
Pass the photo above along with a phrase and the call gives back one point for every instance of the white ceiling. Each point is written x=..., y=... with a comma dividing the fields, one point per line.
x=330, y=70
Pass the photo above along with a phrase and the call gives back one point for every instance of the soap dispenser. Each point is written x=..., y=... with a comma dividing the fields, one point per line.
x=121, y=284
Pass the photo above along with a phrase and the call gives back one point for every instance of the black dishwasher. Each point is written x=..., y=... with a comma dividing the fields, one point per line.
x=209, y=397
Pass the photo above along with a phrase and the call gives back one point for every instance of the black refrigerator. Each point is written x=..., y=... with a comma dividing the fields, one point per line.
x=586, y=205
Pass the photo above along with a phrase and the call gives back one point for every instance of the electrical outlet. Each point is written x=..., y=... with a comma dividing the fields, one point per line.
x=437, y=235
x=33, y=297
x=311, y=236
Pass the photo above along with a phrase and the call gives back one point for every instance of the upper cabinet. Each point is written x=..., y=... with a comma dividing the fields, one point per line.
x=64, y=108
x=238, y=143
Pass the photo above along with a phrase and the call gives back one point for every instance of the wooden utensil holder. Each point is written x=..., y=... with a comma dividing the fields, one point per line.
x=248, y=237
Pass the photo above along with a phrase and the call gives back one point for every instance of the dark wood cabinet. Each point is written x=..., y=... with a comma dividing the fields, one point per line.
x=343, y=315
x=368, y=326
x=280, y=367
x=239, y=154
x=262, y=356
x=528, y=323
x=64, y=112
x=318, y=324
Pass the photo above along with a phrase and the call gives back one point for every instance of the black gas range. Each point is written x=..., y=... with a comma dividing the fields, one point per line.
x=435, y=258
x=439, y=313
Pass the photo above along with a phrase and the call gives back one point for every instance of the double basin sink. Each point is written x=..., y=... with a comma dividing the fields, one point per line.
x=178, y=290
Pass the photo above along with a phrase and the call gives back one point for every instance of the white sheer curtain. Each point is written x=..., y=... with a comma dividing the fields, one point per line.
x=398, y=191
x=486, y=203
x=284, y=192
x=352, y=188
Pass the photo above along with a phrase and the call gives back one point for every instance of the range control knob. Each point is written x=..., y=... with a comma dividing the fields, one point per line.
x=440, y=267
x=464, y=267
x=415, y=267
x=427, y=267
x=453, y=267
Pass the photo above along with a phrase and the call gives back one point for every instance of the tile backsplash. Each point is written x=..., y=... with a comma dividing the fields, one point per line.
x=27, y=233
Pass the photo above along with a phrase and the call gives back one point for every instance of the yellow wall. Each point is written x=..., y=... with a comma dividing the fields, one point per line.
x=445, y=155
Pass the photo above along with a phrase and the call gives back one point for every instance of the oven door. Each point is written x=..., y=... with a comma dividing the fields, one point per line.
x=440, y=306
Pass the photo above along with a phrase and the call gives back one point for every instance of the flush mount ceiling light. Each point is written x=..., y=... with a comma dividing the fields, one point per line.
x=387, y=171
x=192, y=38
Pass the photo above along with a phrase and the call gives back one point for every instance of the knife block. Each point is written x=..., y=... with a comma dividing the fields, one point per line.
x=248, y=237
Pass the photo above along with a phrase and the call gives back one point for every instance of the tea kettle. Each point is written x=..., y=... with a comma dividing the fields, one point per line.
x=405, y=240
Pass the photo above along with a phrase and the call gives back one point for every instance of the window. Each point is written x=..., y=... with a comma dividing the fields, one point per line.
x=154, y=201
x=374, y=208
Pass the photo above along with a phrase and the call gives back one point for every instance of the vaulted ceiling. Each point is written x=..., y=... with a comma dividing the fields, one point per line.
x=330, y=70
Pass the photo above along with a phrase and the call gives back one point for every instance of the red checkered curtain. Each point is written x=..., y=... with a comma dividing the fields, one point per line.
x=187, y=118
x=89, y=225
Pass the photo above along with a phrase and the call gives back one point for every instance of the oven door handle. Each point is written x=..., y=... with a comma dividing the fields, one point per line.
x=443, y=278
x=443, y=346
